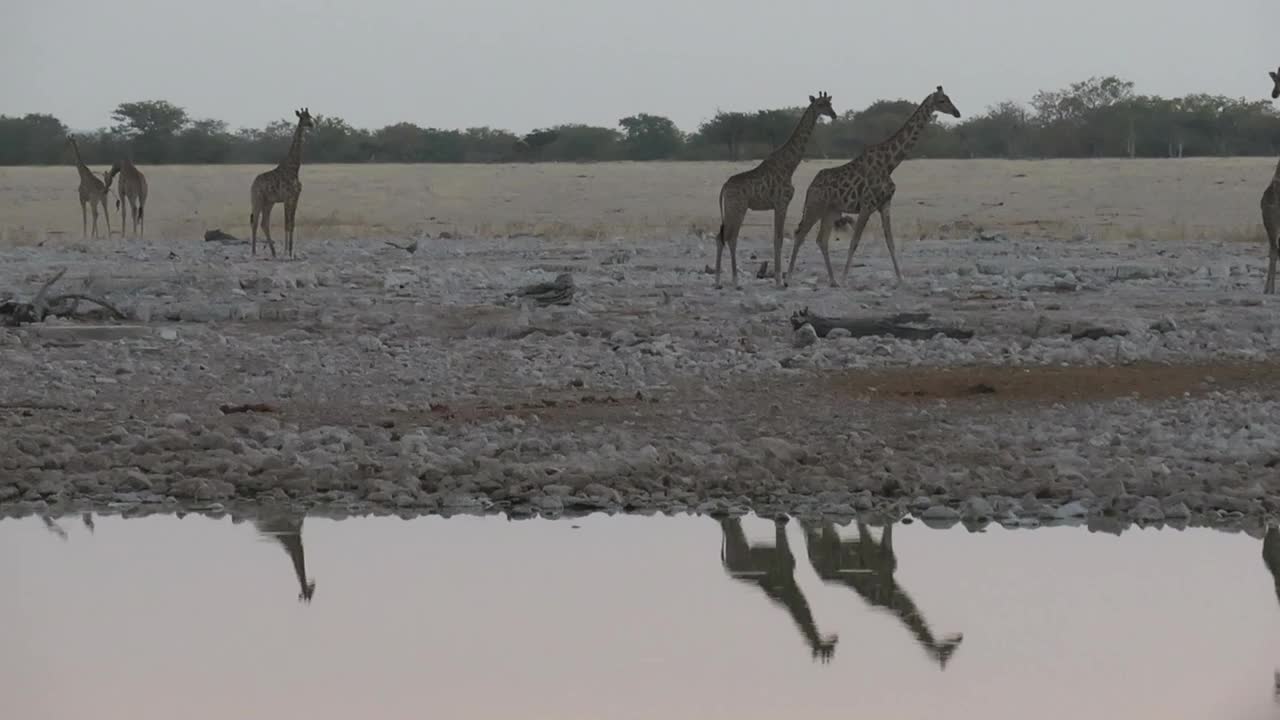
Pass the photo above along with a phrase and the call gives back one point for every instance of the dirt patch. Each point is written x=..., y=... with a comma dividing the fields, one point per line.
x=1147, y=381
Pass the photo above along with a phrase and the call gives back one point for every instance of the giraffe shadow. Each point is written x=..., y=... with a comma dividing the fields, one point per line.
x=771, y=568
x=866, y=566
x=286, y=529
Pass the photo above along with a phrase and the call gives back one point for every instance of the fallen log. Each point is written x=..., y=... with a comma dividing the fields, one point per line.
x=246, y=408
x=15, y=312
x=216, y=235
x=556, y=292
x=893, y=326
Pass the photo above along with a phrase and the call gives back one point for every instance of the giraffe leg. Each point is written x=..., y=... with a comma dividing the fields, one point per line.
x=779, y=219
x=290, y=211
x=731, y=217
x=1270, y=224
x=253, y=232
x=858, y=227
x=106, y=217
x=142, y=222
x=823, y=240
x=84, y=220
x=94, y=207
x=1270, y=288
x=888, y=240
x=264, y=218
x=731, y=239
x=719, y=253
x=806, y=223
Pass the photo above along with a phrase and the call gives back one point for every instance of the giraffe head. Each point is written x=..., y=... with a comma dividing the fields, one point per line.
x=942, y=103
x=1275, y=78
x=822, y=105
x=107, y=176
x=304, y=118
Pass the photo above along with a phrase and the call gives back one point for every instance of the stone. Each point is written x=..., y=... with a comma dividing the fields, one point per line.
x=940, y=513
x=1073, y=509
x=1147, y=511
x=977, y=508
x=804, y=336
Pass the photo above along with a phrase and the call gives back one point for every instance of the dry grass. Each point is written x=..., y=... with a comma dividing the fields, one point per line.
x=1105, y=199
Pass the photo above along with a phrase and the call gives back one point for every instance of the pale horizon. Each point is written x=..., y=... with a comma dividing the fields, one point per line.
x=520, y=66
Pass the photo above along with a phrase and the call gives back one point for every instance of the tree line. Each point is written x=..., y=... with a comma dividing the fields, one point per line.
x=1097, y=117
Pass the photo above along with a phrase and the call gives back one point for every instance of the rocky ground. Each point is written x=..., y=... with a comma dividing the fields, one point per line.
x=1104, y=382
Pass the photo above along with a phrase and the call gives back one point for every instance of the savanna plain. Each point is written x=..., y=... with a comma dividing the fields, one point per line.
x=1119, y=369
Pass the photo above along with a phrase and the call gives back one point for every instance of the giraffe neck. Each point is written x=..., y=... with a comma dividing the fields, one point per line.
x=293, y=161
x=788, y=156
x=900, y=143
x=80, y=166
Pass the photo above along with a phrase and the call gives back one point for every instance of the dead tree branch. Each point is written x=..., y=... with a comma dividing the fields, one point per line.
x=557, y=292
x=14, y=312
x=893, y=326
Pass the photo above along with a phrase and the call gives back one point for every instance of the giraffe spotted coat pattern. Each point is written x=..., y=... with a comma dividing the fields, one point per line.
x=766, y=187
x=1271, y=209
x=862, y=186
x=279, y=185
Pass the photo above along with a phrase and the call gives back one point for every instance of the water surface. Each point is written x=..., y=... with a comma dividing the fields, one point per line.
x=629, y=617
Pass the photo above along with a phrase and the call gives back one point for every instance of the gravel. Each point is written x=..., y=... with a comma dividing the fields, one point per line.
x=414, y=384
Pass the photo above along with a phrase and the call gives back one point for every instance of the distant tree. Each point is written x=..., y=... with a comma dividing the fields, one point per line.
x=205, y=141
x=583, y=143
x=150, y=127
x=1100, y=116
x=728, y=129
x=650, y=137
x=529, y=147
x=334, y=141
x=34, y=139
x=772, y=127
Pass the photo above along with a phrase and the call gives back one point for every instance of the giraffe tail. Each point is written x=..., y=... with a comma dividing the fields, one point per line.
x=720, y=235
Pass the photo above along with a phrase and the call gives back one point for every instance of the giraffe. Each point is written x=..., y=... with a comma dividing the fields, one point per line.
x=767, y=186
x=287, y=529
x=867, y=568
x=863, y=185
x=773, y=570
x=132, y=189
x=1271, y=209
x=280, y=184
x=93, y=192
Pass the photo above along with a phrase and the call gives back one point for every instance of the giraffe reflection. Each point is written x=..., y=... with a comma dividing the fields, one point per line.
x=52, y=525
x=1271, y=558
x=287, y=530
x=772, y=569
x=867, y=568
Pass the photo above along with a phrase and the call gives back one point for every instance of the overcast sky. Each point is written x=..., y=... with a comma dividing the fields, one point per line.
x=520, y=64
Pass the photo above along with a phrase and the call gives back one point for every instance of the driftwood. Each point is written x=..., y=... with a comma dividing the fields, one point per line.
x=216, y=235
x=246, y=408
x=1097, y=333
x=14, y=313
x=411, y=248
x=893, y=325
x=556, y=292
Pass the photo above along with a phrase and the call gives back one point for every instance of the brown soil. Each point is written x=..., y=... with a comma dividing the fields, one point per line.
x=1147, y=381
